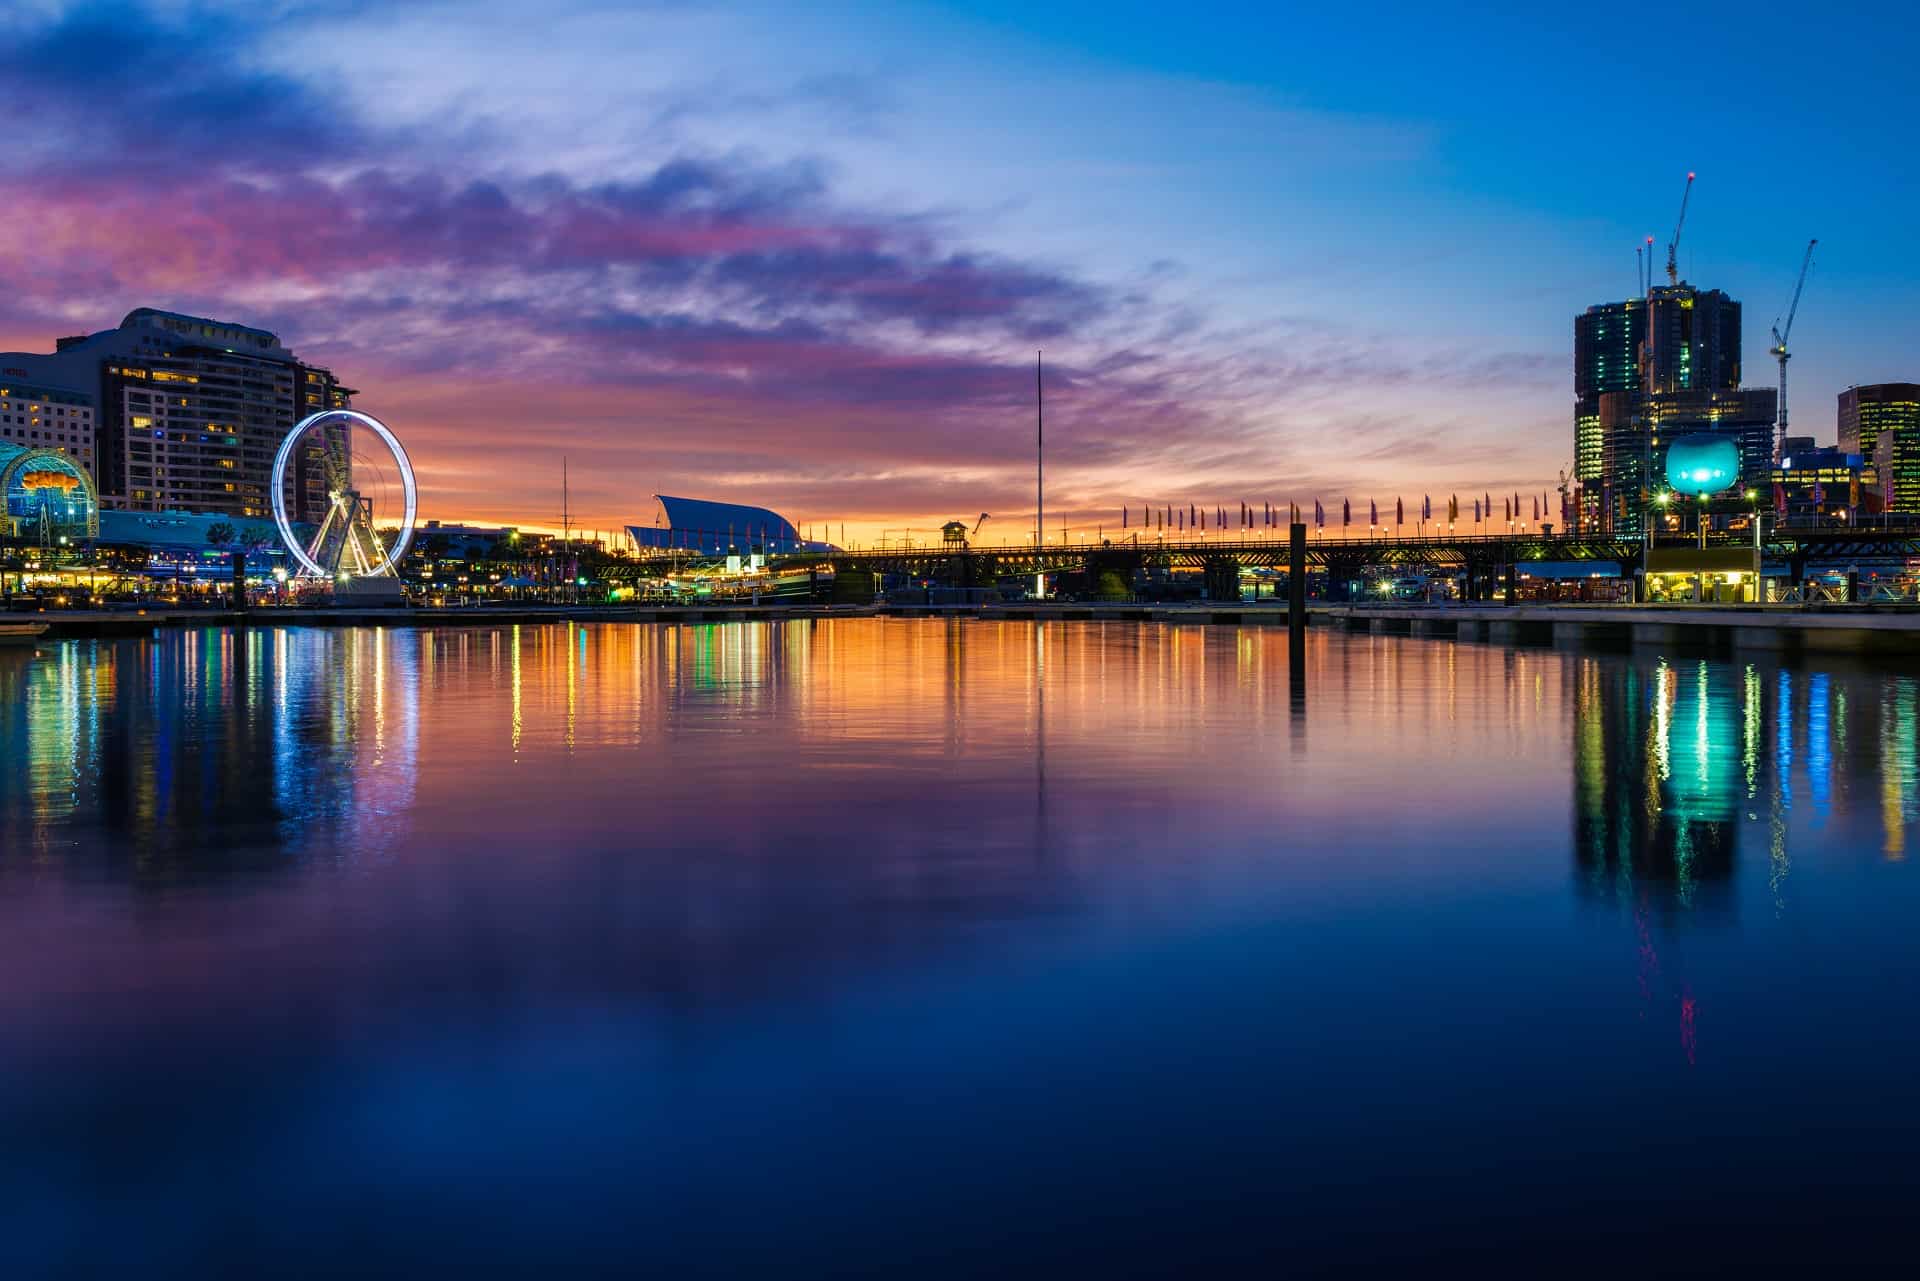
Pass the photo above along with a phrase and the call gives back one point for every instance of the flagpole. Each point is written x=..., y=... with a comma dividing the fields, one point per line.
x=1039, y=458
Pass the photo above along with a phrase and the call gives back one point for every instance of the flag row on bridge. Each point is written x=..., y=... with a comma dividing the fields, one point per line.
x=1269, y=515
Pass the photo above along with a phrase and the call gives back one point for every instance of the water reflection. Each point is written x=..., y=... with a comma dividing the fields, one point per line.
x=204, y=751
x=210, y=751
x=988, y=924
x=1679, y=763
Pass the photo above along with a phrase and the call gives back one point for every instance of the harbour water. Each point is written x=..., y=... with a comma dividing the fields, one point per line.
x=922, y=947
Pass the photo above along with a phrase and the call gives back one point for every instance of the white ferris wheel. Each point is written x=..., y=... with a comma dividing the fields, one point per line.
x=352, y=450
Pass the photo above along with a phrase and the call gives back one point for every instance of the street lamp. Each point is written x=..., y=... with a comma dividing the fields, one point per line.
x=1660, y=500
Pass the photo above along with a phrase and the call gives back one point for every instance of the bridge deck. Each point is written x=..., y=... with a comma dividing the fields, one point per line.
x=1479, y=552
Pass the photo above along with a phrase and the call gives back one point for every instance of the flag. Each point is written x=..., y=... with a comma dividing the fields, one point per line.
x=1319, y=515
x=1819, y=493
x=1346, y=512
x=1426, y=507
x=1489, y=508
x=1123, y=516
x=1399, y=512
x=1453, y=509
x=1373, y=514
x=1476, y=511
x=1780, y=498
x=1536, y=511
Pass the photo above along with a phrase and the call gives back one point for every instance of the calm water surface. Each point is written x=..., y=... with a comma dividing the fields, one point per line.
x=937, y=948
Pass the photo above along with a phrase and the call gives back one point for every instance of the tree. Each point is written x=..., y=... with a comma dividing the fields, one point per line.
x=220, y=534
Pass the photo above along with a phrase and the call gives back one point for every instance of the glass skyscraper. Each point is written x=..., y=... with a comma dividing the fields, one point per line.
x=1881, y=422
x=1607, y=339
x=1644, y=371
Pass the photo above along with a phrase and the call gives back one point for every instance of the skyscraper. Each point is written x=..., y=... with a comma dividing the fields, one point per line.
x=1645, y=371
x=1693, y=340
x=188, y=413
x=1607, y=339
x=1881, y=422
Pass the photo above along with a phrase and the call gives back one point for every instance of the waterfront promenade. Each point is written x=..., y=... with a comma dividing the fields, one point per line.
x=1881, y=630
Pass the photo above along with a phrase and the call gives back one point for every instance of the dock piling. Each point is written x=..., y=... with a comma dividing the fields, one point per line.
x=1296, y=580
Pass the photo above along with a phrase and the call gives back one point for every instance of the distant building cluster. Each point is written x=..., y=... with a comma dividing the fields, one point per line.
x=1651, y=370
x=168, y=413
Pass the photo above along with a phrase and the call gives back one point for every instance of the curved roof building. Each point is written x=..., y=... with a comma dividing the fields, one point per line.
x=49, y=497
x=719, y=529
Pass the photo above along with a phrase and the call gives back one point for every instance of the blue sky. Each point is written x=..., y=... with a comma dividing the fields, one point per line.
x=803, y=255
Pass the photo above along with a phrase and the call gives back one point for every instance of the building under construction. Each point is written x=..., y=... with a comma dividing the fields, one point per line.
x=1649, y=370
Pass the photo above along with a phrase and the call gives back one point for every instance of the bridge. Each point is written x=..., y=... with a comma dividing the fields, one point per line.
x=1483, y=558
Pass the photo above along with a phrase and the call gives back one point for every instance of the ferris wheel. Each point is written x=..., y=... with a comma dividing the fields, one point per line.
x=341, y=452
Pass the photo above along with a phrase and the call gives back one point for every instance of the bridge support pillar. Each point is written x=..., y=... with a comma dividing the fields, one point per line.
x=1296, y=579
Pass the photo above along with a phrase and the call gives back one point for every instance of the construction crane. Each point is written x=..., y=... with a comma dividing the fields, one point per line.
x=1779, y=350
x=978, y=523
x=1646, y=284
x=1673, y=246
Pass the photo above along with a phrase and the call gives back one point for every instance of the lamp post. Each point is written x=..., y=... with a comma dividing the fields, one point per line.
x=1660, y=500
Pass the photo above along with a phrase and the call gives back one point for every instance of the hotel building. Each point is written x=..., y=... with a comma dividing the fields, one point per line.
x=186, y=413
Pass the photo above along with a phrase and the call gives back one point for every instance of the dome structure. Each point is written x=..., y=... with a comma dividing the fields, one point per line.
x=1703, y=464
x=719, y=529
x=49, y=497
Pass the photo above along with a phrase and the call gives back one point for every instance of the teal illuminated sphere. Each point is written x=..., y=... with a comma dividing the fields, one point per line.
x=1703, y=464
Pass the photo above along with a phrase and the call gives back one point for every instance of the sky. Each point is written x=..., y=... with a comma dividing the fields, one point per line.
x=803, y=255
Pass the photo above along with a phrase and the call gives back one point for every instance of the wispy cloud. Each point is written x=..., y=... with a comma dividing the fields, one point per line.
x=716, y=320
